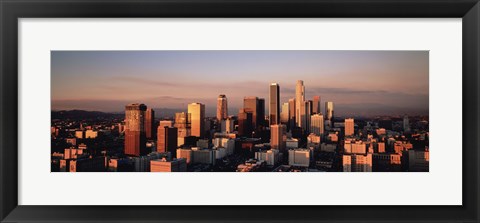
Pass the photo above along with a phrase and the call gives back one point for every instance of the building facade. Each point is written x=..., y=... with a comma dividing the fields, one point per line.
x=150, y=123
x=135, y=138
x=222, y=107
x=197, y=114
x=274, y=105
x=278, y=137
x=299, y=102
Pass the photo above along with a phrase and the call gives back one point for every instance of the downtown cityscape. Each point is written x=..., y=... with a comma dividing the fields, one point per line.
x=272, y=125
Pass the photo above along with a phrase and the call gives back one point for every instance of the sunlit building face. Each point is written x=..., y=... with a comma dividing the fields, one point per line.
x=135, y=138
x=222, y=107
x=197, y=114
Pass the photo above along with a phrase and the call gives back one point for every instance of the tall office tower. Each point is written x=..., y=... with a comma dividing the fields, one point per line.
x=349, y=127
x=299, y=99
x=278, y=137
x=167, y=139
x=161, y=134
x=197, y=114
x=291, y=117
x=261, y=112
x=329, y=110
x=317, y=124
x=135, y=139
x=308, y=116
x=316, y=105
x=406, y=124
x=150, y=123
x=222, y=109
x=274, y=108
x=284, y=115
x=251, y=105
x=245, y=123
x=182, y=123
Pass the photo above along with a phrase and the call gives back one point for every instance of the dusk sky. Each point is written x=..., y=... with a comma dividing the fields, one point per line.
x=360, y=83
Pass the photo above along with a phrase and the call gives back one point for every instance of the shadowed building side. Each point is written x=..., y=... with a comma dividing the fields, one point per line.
x=150, y=123
x=274, y=108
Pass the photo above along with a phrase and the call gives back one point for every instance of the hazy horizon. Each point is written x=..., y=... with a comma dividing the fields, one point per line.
x=360, y=83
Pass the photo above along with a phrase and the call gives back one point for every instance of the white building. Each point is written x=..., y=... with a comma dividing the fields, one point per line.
x=292, y=143
x=270, y=156
x=227, y=125
x=299, y=157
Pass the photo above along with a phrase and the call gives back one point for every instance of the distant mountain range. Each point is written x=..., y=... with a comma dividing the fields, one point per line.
x=81, y=114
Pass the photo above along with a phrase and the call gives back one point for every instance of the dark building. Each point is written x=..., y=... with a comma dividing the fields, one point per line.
x=255, y=106
x=96, y=164
x=150, y=123
x=274, y=108
x=167, y=140
x=245, y=123
x=261, y=113
x=135, y=138
x=246, y=145
x=386, y=124
x=291, y=110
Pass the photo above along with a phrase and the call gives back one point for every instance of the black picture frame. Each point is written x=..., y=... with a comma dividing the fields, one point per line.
x=12, y=10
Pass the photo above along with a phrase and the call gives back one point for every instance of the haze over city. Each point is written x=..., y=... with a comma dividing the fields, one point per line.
x=361, y=83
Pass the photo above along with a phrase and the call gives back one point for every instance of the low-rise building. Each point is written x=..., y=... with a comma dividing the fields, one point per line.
x=271, y=156
x=357, y=163
x=163, y=165
x=299, y=157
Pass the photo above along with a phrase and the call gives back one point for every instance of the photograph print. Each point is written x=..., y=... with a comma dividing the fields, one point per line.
x=239, y=111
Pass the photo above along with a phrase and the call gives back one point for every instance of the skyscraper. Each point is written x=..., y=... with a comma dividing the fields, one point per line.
x=329, y=110
x=150, y=123
x=182, y=123
x=349, y=127
x=252, y=105
x=278, y=137
x=135, y=139
x=261, y=112
x=291, y=115
x=307, y=117
x=197, y=114
x=284, y=114
x=245, y=123
x=317, y=126
x=274, y=108
x=299, y=99
x=316, y=104
x=222, y=109
x=167, y=138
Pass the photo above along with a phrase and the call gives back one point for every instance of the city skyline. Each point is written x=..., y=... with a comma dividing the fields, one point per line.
x=241, y=111
x=360, y=83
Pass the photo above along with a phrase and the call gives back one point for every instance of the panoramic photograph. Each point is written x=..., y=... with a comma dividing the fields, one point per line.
x=239, y=111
